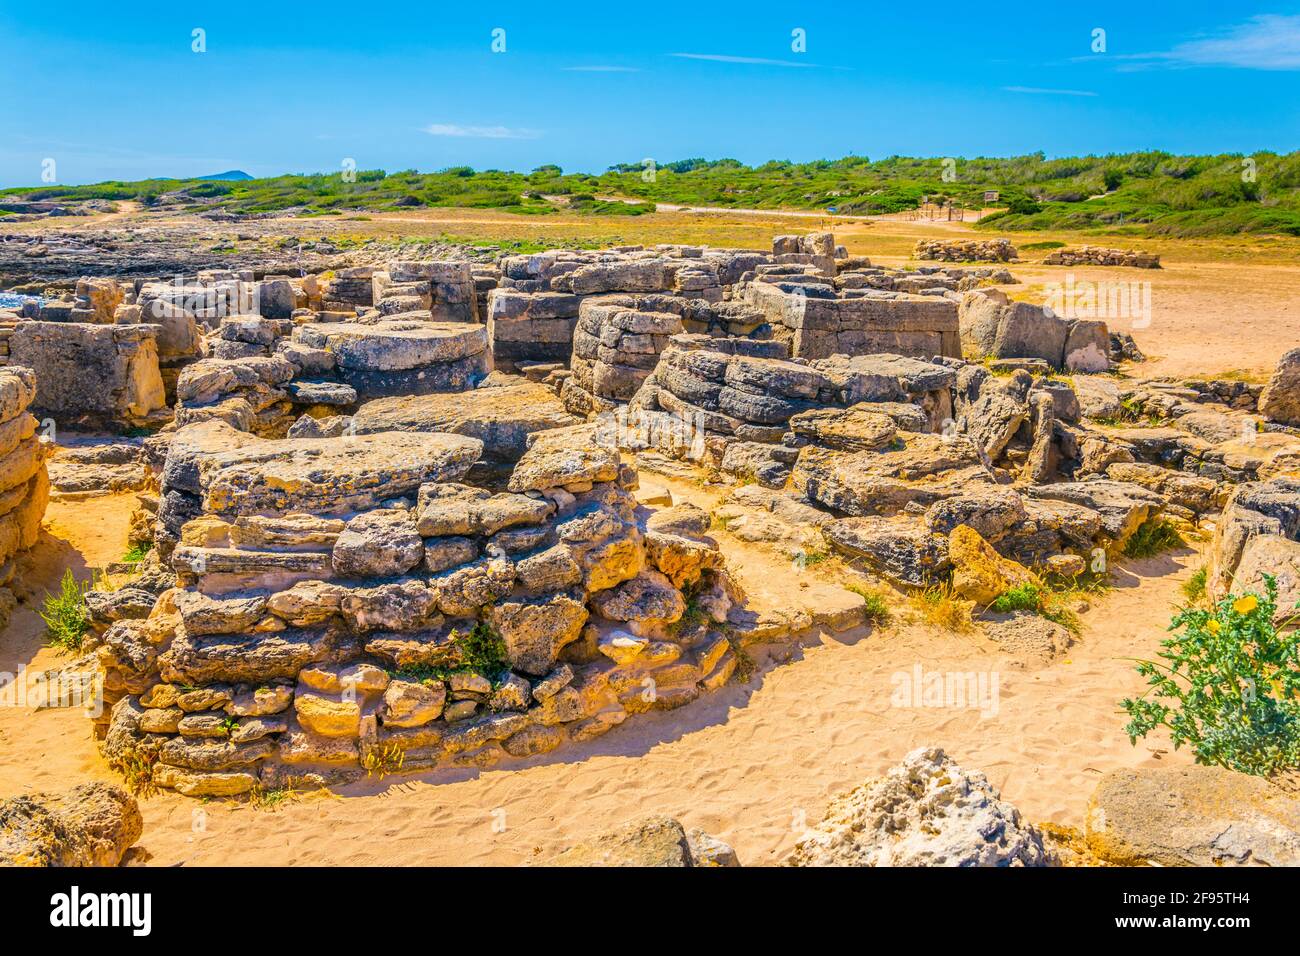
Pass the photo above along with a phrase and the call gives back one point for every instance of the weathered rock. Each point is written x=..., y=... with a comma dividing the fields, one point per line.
x=979, y=573
x=897, y=547
x=1193, y=816
x=93, y=824
x=501, y=417
x=410, y=704
x=536, y=629
x=381, y=543
x=654, y=841
x=1280, y=400
x=927, y=811
x=565, y=456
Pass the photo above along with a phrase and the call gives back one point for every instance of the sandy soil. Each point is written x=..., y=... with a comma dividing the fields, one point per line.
x=752, y=764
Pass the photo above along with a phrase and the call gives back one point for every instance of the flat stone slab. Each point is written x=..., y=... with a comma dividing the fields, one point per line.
x=308, y=392
x=316, y=475
x=502, y=417
x=395, y=344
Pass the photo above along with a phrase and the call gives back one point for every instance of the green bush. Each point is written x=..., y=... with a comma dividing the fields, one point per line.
x=64, y=614
x=1227, y=685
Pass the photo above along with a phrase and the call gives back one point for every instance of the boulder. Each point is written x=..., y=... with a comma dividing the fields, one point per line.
x=1280, y=400
x=1193, y=816
x=899, y=548
x=979, y=573
x=927, y=811
x=501, y=417
x=565, y=456
x=93, y=824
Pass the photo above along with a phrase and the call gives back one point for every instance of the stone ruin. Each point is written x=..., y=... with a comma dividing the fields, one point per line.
x=343, y=606
x=966, y=250
x=395, y=521
x=24, y=479
x=1098, y=256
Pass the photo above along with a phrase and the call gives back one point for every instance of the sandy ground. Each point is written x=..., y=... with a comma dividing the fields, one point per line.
x=752, y=764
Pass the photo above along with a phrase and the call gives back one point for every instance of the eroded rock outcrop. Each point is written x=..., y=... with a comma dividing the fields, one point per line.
x=927, y=811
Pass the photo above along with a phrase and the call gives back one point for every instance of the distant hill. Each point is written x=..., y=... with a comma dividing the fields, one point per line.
x=228, y=174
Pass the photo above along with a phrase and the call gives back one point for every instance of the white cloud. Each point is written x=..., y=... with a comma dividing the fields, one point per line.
x=481, y=132
x=1048, y=92
x=751, y=60
x=601, y=69
x=1266, y=42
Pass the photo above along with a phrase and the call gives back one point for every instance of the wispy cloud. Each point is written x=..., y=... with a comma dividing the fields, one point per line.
x=1266, y=42
x=1047, y=92
x=481, y=132
x=751, y=60
x=601, y=69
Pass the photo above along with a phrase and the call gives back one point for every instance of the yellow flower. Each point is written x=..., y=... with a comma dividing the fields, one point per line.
x=1214, y=627
x=1244, y=605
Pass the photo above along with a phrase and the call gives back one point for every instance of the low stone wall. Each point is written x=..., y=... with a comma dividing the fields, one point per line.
x=445, y=289
x=1097, y=256
x=820, y=323
x=354, y=606
x=966, y=250
x=616, y=346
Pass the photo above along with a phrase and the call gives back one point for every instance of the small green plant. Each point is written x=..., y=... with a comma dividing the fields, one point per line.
x=875, y=606
x=64, y=614
x=136, y=554
x=137, y=766
x=745, y=663
x=1194, y=587
x=695, y=616
x=482, y=651
x=1227, y=685
x=1154, y=536
x=1037, y=600
x=260, y=798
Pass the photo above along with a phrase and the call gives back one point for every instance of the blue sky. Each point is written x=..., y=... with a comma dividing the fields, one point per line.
x=114, y=91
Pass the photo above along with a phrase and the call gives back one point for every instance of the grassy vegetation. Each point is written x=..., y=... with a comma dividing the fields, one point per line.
x=481, y=651
x=136, y=553
x=1041, y=601
x=1194, y=587
x=939, y=607
x=64, y=614
x=876, y=607
x=1148, y=193
x=1154, y=536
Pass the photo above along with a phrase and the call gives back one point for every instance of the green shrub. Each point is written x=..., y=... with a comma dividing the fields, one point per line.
x=1194, y=587
x=482, y=651
x=1037, y=600
x=1227, y=685
x=64, y=614
x=136, y=554
x=1154, y=536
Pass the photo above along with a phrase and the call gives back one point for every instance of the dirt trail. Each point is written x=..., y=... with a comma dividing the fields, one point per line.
x=752, y=764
